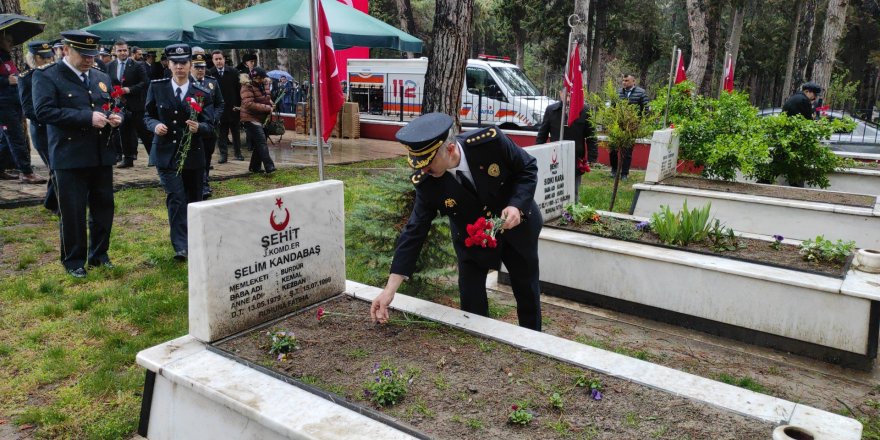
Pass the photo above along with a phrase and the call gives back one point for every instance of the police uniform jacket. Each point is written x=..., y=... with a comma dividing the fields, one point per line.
x=504, y=175
x=217, y=101
x=581, y=132
x=135, y=79
x=799, y=104
x=25, y=81
x=66, y=104
x=164, y=108
x=230, y=88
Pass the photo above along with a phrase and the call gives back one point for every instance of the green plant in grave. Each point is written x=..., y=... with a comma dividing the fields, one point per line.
x=682, y=228
x=520, y=414
x=556, y=401
x=722, y=239
x=578, y=213
x=821, y=249
x=388, y=388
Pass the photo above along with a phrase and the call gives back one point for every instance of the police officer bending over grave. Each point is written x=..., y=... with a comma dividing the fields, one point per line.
x=177, y=147
x=69, y=96
x=478, y=175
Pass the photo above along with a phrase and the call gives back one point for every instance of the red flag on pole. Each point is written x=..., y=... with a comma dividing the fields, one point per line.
x=329, y=81
x=680, y=74
x=728, y=74
x=574, y=85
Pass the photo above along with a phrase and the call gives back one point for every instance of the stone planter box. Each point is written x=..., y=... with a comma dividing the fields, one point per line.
x=849, y=180
x=827, y=318
x=768, y=215
x=194, y=392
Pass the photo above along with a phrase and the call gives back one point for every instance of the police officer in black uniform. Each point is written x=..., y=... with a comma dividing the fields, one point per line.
x=40, y=56
x=199, y=77
x=481, y=173
x=68, y=95
x=168, y=117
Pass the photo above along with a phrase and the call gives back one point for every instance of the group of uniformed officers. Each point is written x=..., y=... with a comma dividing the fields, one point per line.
x=81, y=129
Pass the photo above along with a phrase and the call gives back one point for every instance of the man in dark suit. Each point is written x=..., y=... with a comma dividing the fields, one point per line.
x=635, y=95
x=199, y=66
x=801, y=103
x=68, y=95
x=128, y=74
x=230, y=88
x=479, y=173
x=582, y=132
x=39, y=56
x=180, y=169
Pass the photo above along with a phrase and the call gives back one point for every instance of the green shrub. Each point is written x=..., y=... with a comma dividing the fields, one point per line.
x=682, y=228
x=821, y=249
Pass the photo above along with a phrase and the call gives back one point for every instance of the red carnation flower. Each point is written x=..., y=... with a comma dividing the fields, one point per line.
x=320, y=313
x=117, y=110
x=106, y=106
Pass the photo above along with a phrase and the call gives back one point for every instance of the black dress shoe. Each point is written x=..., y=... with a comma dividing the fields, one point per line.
x=180, y=255
x=223, y=160
x=126, y=163
x=239, y=157
x=77, y=273
x=270, y=170
x=106, y=264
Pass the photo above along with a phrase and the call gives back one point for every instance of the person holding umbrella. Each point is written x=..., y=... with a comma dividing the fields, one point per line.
x=13, y=143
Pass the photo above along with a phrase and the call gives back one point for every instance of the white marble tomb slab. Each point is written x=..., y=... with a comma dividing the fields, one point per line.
x=556, y=173
x=256, y=257
x=663, y=158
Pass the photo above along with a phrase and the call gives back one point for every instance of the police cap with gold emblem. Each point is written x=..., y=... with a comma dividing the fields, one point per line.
x=41, y=48
x=178, y=53
x=84, y=42
x=199, y=60
x=423, y=137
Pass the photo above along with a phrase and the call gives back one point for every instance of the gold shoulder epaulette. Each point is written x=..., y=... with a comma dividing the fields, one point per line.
x=478, y=137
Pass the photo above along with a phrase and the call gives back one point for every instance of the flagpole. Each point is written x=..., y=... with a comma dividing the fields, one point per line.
x=316, y=85
x=573, y=19
x=672, y=67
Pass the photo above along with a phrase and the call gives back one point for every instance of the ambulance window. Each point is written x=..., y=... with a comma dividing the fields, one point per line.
x=479, y=79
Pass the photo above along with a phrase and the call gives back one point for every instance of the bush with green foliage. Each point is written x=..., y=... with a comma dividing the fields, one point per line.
x=824, y=250
x=388, y=388
x=374, y=230
x=682, y=228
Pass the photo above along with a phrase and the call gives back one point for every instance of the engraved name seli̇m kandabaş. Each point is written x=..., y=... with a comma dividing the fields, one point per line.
x=276, y=282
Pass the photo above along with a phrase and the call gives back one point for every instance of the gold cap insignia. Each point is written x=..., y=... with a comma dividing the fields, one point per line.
x=45, y=45
x=102, y=86
x=90, y=40
x=450, y=203
x=494, y=170
x=179, y=50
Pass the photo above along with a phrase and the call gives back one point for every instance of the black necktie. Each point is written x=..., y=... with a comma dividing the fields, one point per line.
x=85, y=77
x=177, y=94
x=221, y=73
x=465, y=182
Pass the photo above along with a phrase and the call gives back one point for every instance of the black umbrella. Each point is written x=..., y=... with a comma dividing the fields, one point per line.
x=20, y=27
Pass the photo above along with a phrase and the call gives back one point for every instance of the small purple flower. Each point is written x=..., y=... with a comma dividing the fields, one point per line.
x=778, y=237
x=596, y=394
x=367, y=393
x=376, y=367
x=386, y=373
x=567, y=216
x=641, y=226
x=378, y=380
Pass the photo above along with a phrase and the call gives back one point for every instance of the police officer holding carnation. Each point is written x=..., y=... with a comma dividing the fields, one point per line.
x=478, y=177
x=69, y=96
x=179, y=112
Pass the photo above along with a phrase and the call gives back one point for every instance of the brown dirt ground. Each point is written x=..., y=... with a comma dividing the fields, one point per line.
x=757, y=251
x=783, y=192
x=464, y=385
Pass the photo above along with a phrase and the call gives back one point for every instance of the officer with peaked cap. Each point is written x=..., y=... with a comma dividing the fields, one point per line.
x=479, y=174
x=69, y=96
x=39, y=56
x=209, y=141
x=168, y=111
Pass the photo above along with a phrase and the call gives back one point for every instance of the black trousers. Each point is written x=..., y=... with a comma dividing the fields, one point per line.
x=125, y=139
x=524, y=280
x=232, y=127
x=13, y=145
x=180, y=190
x=626, y=155
x=257, y=139
x=40, y=139
x=79, y=190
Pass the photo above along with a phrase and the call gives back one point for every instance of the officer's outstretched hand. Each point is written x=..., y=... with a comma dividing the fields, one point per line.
x=192, y=125
x=161, y=129
x=512, y=217
x=99, y=120
x=379, y=307
x=115, y=120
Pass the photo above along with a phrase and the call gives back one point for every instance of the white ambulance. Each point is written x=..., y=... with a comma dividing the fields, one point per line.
x=494, y=91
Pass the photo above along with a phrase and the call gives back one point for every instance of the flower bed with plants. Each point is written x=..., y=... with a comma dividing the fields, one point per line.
x=695, y=231
x=782, y=192
x=448, y=384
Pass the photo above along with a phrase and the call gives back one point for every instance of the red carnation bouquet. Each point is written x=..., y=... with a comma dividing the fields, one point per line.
x=117, y=104
x=482, y=232
x=583, y=166
x=195, y=107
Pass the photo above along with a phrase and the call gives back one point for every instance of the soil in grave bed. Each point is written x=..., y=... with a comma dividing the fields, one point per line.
x=463, y=385
x=782, y=192
x=749, y=250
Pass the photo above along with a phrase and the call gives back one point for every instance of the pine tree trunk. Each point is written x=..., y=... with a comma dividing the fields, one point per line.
x=114, y=7
x=13, y=7
x=283, y=58
x=835, y=19
x=596, y=62
x=699, y=40
x=711, y=79
x=445, y=76
x=792, y=49
x=582, y=29
x=407, y=22
x=804, y=46
x=736, y=30
x=93, y=11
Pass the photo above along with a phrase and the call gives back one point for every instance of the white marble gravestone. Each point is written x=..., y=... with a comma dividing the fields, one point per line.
x=663, y=159
x=256, y=257
x=555, y=177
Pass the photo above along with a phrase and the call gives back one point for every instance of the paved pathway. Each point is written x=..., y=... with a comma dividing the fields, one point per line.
x=342, y=151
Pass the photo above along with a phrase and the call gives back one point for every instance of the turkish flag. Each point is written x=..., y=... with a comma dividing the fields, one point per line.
x=680, y=74
x=574, y=85
x=329, y=81
x=728, y=74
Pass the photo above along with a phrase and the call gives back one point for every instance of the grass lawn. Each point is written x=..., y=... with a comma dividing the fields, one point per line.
x=67, y=346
